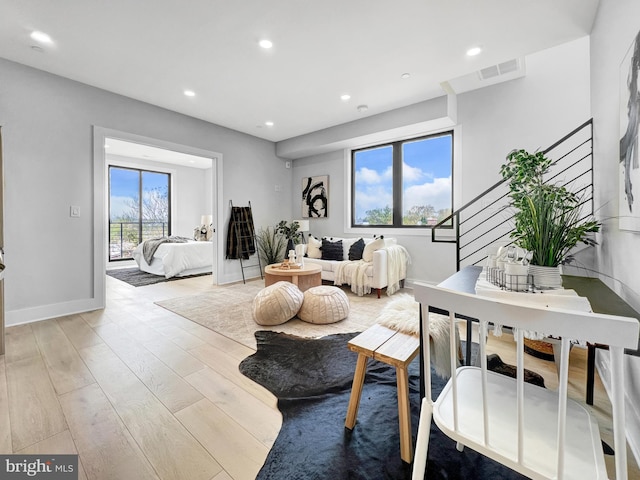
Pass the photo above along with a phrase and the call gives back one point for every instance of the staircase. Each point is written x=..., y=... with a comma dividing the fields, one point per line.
x=488, y=218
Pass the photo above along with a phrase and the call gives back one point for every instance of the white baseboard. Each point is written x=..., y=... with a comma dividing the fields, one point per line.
x=43, y=312
x=632, y=413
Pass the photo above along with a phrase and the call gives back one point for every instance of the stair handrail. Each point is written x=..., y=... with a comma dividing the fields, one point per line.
x=456, y=213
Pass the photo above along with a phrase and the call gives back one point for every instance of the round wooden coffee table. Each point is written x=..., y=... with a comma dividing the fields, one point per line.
x=304, y=277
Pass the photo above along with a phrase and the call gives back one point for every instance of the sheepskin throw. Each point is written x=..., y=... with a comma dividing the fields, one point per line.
x=403, y=314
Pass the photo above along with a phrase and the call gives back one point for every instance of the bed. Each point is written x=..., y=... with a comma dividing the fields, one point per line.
x=177, y=259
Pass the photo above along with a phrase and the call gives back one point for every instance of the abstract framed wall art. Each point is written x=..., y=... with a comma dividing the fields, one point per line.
x=629, y=200
x=315, y=197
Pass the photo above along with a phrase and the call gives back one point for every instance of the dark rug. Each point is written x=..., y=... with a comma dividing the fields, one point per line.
x=312, y=380
x=136, y=277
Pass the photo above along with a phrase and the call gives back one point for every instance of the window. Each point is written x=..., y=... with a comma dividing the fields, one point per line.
x=138, y=209
x=404, y=184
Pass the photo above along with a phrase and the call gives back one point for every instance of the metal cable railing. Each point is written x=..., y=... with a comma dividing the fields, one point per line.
x=124, y=237
x=488, y=218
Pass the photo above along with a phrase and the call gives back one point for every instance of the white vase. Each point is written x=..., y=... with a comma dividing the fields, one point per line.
x=546, y=277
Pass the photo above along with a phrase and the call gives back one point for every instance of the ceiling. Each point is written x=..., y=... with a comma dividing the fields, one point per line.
x=153, y=50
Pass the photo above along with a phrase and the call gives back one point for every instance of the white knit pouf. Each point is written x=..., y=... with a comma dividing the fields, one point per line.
x=277, y=304
x=324, y=304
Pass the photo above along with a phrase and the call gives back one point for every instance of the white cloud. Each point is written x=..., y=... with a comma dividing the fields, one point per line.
x=436, y=193
x=413, y=174
x=372, y=198
x=367, y=176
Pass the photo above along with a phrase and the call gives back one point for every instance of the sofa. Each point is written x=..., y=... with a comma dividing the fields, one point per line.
x=365, y=264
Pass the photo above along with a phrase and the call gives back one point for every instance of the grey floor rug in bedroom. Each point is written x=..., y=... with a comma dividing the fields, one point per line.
x=136, y=277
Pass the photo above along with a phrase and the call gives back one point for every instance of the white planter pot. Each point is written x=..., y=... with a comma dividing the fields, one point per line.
x=546, y=277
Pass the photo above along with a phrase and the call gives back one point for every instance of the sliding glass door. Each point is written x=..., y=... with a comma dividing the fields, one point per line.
x=139, y=209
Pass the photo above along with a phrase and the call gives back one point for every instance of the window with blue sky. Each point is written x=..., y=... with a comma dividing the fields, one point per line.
x=139, y=202
x=406, y=183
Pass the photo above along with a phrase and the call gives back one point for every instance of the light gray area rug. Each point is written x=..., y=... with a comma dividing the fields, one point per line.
x=227, y=310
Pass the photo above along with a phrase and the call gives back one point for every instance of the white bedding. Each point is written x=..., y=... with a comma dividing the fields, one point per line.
x=177, y=259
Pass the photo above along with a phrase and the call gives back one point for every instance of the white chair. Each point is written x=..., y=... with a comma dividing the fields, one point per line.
x=535, y=431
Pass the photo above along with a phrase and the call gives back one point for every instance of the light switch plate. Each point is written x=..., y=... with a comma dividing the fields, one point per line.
x=74, y=211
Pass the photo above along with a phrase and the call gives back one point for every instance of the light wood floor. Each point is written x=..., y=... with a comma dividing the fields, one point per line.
x=140, y=392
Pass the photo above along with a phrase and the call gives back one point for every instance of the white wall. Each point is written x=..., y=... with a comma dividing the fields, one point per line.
x=530, y=112
x=48, y=159
x=615, y=28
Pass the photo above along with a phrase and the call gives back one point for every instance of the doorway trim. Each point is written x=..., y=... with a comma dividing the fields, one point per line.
x=100, y=213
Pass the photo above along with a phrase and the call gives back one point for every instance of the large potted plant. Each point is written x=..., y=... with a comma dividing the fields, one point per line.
x=271, y=245
x=549, y=219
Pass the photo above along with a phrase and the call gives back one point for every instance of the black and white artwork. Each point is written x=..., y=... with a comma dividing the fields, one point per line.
x=315, y=197
x=629, y=123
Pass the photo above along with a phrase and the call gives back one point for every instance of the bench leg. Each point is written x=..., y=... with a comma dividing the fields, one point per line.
x=404, y=415
x=356, y=391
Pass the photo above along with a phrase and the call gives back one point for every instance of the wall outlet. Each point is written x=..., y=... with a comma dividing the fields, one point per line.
x=74, y=211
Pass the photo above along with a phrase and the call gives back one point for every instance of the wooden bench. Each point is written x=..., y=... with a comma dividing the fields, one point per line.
x=393, y=348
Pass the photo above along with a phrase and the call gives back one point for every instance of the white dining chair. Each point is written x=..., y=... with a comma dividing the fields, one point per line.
x=535, y=431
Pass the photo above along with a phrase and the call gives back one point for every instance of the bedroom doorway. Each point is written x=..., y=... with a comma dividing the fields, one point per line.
x=194, y=190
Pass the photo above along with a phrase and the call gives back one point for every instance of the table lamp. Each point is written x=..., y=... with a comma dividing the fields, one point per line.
x=304, y=227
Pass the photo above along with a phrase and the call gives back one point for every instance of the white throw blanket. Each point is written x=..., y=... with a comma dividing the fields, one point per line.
x=354, y=273
x=397, y=260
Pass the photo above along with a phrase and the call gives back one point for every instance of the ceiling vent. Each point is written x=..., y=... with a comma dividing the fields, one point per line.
x=502, y=72
x=497, y=70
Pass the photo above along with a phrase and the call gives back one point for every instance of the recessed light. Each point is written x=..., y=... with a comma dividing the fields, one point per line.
x=345, y=97
x=269, y=124
x=266, y=43
x=405, y=75
x=362, y=108
x=473, y=51
x=190, y=93
x=41, y=37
